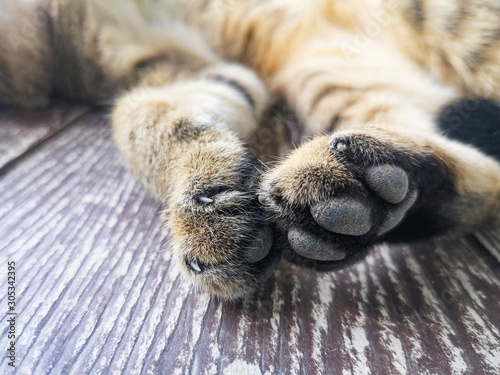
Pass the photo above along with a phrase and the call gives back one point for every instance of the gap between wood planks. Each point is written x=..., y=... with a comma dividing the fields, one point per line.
x=33, y=145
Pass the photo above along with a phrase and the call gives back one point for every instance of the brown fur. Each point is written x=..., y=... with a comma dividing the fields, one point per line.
x=183, y=111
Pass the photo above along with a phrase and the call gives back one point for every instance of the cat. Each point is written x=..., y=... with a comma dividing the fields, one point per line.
x=397, y=101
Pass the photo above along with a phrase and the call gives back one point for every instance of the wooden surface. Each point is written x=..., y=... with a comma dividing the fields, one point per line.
x=97, y=294
x=22, y=131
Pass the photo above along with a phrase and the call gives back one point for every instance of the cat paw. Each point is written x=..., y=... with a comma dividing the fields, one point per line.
x=220, y=239
x=335, y=197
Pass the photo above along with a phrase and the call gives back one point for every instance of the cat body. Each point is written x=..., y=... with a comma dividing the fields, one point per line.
x=397, y=101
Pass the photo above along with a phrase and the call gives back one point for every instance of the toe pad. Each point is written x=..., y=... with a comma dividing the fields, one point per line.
x=343, y=215
x=396, y=216
x=309, y=246
x=389, y=182
x=261, y=246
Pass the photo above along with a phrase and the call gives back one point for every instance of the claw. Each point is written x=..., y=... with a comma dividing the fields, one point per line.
x=262, y=199
x=272, y=191
x=195, y=266
x=205, y=200
x=342, y=148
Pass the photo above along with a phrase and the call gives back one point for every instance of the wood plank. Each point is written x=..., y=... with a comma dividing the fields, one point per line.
x=490, y=239
x=20, y=131
x=97, y=293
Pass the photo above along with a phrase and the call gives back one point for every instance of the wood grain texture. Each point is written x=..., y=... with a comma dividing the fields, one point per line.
x=491, y=241
x=22, y=131
x=98, y=295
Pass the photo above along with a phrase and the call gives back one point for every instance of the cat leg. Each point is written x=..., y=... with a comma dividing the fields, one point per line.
x=337, y=195
x=179, y=115
x=183, y=140
x=382, y=172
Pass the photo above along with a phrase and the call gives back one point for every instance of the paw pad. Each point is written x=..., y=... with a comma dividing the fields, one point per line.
x=395, y=216
x=389, y=182
x=309, y=246
x=261, y=246
x=343, y=215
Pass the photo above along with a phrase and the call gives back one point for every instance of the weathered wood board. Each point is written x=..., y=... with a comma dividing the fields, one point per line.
x=97, y=293
x=21, y=131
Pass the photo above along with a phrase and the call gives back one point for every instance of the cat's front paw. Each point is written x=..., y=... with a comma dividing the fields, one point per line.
x=334, y=197
x=220, y=239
